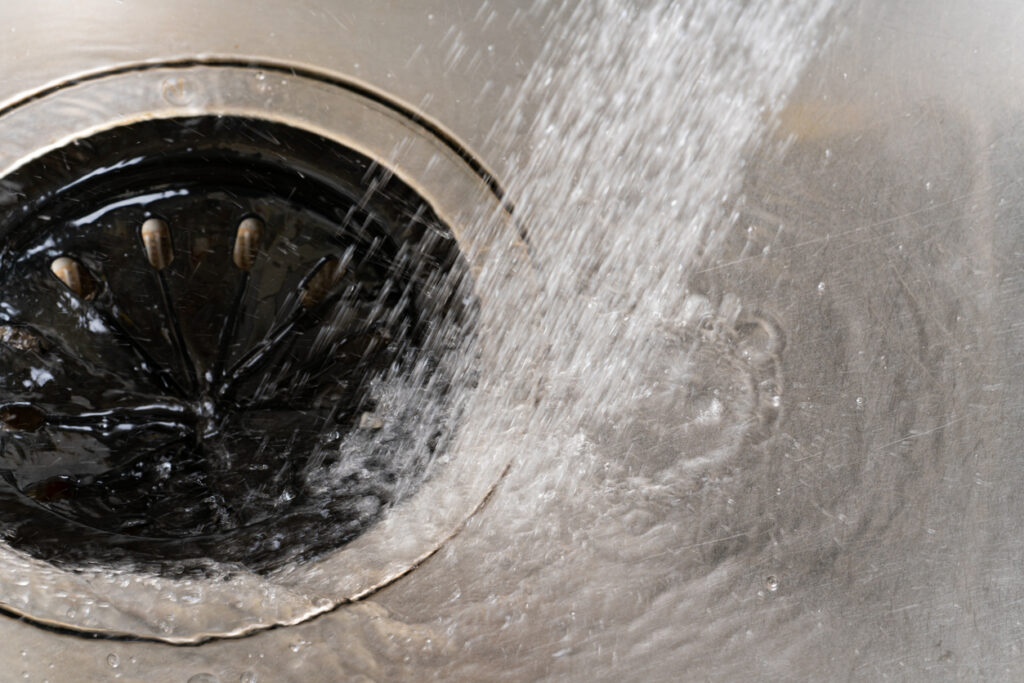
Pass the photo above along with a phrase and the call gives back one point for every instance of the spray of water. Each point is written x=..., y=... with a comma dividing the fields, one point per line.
x=628, y=175
x=626, y=400
x=625, y=396
x=618, y=392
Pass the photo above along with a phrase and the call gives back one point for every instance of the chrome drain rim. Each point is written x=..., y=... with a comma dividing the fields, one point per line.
x=126, y=603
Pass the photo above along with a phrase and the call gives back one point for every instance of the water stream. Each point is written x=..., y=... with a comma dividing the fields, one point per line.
x=632, y=398
x=635, y=402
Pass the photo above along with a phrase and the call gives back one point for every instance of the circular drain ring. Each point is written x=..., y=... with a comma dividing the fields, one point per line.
x=462, y=193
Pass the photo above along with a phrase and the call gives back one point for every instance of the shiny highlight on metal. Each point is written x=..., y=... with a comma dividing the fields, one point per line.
x=156, y=236
x=74, y=276
x=247, y=242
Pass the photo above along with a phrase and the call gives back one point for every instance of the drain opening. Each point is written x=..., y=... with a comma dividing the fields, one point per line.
x=221, y=338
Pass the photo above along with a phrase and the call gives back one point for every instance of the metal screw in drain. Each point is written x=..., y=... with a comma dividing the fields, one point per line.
x=199, y=318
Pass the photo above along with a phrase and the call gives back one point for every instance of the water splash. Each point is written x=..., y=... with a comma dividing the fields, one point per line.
x=626, y=149
x=630, y=400
x=627, y=175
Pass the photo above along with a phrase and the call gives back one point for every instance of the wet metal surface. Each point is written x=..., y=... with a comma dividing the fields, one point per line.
x=869, y=528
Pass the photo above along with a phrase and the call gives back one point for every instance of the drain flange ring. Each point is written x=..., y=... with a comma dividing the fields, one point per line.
x=126, y=601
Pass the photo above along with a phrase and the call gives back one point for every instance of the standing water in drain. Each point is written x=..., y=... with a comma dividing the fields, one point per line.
x=223, y=339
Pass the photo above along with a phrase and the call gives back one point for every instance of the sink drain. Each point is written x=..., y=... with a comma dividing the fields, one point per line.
x=236, y=341
x=200, y=314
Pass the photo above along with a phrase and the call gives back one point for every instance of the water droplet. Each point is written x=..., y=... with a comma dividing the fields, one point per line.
x=204, y=678
x=771, y=582
x=821, y=288
x=261, y=85
x=177, y=91
x=860, y=402
x=113, y=660
x=248, y=677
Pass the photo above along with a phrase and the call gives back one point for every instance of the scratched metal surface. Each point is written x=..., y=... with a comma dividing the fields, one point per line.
x=877, y=532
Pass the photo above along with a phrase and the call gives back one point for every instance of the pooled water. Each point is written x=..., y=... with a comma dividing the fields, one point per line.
x=230, y=404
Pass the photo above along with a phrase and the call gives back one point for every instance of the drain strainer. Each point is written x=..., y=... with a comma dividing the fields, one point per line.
x=200, y=314
x=232, y=349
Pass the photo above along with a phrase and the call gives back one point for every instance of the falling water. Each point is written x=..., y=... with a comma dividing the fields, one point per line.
x=627, y=177
x=630, y=400
x=626, y=399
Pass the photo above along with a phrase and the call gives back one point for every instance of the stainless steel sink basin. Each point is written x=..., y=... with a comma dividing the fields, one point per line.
x=807, y=470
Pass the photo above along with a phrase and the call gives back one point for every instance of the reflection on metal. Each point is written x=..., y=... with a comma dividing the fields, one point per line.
x=75, y=277
x=124, y=603
x=247, y=242
x=873, y=533
x=156, y=237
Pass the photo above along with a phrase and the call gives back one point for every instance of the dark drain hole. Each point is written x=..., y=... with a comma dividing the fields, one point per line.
x=221, y=339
